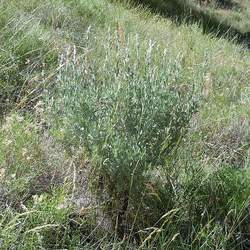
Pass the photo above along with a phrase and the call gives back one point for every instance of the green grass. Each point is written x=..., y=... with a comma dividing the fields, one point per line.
x=228, y=19
x=120, y=130
x=234, y=13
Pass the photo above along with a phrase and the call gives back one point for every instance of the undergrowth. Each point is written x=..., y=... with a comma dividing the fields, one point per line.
x=120, y=130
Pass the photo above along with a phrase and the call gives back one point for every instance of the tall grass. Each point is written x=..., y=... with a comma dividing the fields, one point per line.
x=140, y=139
x=26, y=51
x=227, y=22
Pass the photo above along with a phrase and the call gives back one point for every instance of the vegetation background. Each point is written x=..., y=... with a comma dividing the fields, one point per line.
x=121, y=128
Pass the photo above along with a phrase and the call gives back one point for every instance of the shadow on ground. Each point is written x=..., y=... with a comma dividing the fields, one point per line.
x=183, y=11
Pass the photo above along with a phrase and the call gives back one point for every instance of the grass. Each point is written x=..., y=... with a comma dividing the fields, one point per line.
x=228, y=19
x=120, y=130
x=234, y=13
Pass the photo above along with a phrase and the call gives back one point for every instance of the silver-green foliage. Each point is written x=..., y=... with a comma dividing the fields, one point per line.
x=127, y=104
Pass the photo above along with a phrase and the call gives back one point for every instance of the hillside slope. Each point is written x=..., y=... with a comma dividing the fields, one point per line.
x=234, y=13
x=228, y=19
x=120, y=129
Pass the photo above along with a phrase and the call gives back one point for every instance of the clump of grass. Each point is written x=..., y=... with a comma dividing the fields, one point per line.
x=197, y=209
x=26, y=167
x=39, y=226
x=27, y=51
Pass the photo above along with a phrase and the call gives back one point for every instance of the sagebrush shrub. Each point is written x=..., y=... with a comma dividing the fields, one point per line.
x=128, y=106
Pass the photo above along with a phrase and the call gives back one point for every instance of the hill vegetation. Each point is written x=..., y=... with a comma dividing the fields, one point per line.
x=120, y=129
x=234, y=13
x=226, y=18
